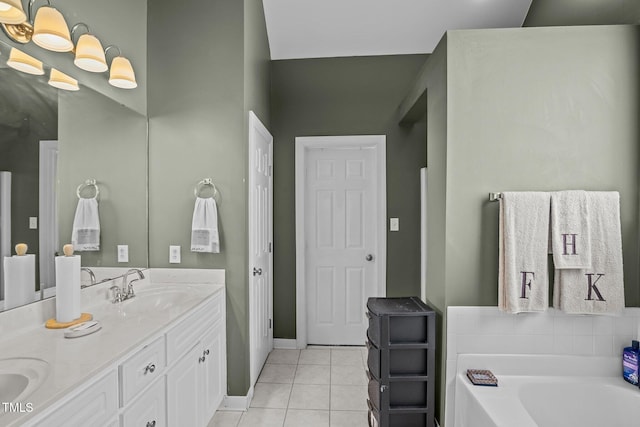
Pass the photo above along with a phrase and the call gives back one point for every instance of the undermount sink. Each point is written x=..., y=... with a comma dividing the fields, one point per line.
x=21, y=376
x=157, y=298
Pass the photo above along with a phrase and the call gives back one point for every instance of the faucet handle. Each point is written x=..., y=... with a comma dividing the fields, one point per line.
x=117, y=295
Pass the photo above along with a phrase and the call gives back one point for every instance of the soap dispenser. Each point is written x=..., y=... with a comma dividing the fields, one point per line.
x=630, y=358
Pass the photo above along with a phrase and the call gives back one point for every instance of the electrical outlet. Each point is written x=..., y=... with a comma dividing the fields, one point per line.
x=33, y=222
x=174, y=254
x=394, y=224
x=123, y=253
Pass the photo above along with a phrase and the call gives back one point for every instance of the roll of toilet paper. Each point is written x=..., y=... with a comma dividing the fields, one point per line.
x=19, y=280
x=67, y=288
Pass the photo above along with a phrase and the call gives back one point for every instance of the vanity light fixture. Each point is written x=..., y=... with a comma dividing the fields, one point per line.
x=11, y=12
x=121, y=74
x=18, y=60
x=89, y=53
x=49, y=30
x=60, y=80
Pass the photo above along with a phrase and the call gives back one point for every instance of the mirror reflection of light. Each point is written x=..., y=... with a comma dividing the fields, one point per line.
x=18, y=60
x=62, y=81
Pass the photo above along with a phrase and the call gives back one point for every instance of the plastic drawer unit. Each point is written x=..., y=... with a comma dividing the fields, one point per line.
x=401, y=362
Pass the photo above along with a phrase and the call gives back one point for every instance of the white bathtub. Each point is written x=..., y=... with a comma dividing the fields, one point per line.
x=546, y=391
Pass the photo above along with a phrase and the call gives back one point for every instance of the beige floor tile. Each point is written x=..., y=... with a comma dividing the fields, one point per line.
x=225, y=419
x=306, y=418
x=349, y=397
x=315, y=357
x=349, y=419
x=281, y=374
x=283, y=357
x=266, y=395
x=305, y=396
x=260, y=417
x=350, y=357
x=348, y=375
x=312, y=374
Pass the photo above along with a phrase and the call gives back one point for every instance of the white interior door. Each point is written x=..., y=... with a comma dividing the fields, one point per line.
x=48, y=212
x=260, y=243
x=342, y=240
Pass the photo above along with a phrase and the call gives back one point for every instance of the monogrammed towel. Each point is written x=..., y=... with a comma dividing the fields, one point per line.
x=85, y=232
x=570, y=236
x=599, y=289
x=523, y=281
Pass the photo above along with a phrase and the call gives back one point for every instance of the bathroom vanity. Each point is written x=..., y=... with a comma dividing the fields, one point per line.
x=159, y=359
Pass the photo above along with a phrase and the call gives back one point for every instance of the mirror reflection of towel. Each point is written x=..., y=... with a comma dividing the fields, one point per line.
x=204, y=226
x=85, y=235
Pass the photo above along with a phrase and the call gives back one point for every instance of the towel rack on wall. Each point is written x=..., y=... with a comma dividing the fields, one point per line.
x=495, y=197
x=88, y=183
x=204, y=183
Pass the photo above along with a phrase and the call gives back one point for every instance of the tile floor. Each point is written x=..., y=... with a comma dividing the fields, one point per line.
x=317, y=387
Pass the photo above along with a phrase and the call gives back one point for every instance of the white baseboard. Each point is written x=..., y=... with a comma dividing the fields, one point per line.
x=284, y=343
x=237, y=403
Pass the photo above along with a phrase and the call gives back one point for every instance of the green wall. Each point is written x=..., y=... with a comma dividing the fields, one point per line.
x=103, y=140
x=202, y=82
x=581, y=12
x=526, y=109
x=346, y=96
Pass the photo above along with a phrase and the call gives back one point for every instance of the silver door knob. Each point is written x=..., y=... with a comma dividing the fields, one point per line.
x=369, y=257
x=257, y=271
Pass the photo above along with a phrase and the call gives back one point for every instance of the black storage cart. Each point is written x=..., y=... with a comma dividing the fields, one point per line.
x=401, y=346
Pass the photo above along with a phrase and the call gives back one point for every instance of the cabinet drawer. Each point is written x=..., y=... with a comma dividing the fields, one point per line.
x=182, y=337
x=149, y=409
x=378, y=418
x=94, y=406
x=400, y=362
x=141, y=369
x=397, y=394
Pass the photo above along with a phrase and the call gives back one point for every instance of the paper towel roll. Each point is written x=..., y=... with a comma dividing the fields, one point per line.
x=19, y=280
x=67, y=288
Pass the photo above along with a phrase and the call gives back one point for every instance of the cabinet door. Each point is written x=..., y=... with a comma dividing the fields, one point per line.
x=183, y=402
x=213, y=377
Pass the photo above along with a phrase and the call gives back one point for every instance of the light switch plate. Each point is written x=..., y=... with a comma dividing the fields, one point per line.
x=394, y=224
x=123, y=253
x=174, y=254
x=33, y=222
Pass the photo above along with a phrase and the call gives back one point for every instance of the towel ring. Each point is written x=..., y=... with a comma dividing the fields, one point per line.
x=88, y=183
x=204, y=183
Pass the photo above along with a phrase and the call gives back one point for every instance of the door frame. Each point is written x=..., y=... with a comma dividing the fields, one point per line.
x=302, y=145
x=48, y=212
x=255, y=125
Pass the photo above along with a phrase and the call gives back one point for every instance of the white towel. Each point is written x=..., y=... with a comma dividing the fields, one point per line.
x=570, y=236
x=599, y=289
x=85, y=235
x=523, y=279
x=204, y=226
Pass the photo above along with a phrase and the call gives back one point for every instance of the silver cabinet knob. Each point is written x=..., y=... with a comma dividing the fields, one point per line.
x=257, y=271
x=369, y=257
x=149, y=368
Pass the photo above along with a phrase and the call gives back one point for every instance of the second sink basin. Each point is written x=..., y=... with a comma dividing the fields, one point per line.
x=19, y=377
x=157, y=298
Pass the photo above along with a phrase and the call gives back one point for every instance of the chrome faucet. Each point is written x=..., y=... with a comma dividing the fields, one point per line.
x=126, y=292
x=91, y=276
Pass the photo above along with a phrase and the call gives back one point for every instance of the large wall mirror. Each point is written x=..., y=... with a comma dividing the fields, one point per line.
x=51, y=142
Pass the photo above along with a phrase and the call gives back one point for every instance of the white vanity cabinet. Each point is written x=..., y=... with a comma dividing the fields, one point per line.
x=196, y=382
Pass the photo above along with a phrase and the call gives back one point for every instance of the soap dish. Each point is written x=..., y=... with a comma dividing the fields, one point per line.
x=482, y=377
x=83, y=329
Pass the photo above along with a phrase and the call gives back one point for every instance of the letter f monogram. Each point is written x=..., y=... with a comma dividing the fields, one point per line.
x=525, y=283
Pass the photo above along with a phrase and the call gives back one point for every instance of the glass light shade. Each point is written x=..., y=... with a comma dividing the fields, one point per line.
x=62, y=81
x=122, y=74
x=90, y=55
x=18, y=60
x=50, y=30
x=11, y=12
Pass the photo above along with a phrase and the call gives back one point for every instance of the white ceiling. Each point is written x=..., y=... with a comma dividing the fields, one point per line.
x=328, y=28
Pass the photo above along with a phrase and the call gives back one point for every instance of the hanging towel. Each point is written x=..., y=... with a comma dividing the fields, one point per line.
x=204, y=226
x=599, y=289
x=570, y=236
x=523, y=282
x=85, y=235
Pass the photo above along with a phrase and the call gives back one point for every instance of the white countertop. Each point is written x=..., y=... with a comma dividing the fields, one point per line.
x=73, y=362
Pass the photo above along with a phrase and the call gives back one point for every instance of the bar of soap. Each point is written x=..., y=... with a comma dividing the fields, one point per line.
x=21, y=249
x=67, y=249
